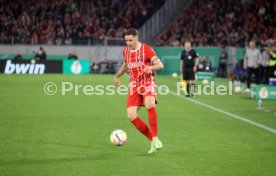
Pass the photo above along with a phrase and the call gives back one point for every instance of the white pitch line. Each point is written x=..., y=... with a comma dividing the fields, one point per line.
x=227, y=113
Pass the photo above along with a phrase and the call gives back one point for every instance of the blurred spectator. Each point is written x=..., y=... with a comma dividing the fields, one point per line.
x=73, y=56
x=200, y=66
x=95, y=67
x=272, y=61
x=263, y=70
x=17, y=57
x=239, y=74
x=109, y=67
x=252, y=60
x=71, y=21
x=207, y=65
x=228, y=22
x=223, y=58
x=41, y=54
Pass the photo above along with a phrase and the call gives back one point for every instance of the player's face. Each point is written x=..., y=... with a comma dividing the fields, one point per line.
x=131, y=41
x=187, y=45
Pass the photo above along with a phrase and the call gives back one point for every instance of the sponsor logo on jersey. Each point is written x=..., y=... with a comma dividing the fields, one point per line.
x=135, y=64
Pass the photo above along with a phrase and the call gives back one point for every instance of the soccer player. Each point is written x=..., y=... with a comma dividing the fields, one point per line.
x=141, y=62
x=188, y=65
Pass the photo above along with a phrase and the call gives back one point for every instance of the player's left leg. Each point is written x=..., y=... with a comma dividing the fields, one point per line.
x=192, y=83
x=156, y=144
x=132, y=113
x=187, y=78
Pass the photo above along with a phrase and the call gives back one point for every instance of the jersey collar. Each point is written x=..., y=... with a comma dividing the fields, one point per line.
x=139, y=45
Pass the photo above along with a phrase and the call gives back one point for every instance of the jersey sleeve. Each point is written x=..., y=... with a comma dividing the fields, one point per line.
x=150, y=54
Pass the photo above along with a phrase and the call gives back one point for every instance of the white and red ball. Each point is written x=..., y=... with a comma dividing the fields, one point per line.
x=118, y=137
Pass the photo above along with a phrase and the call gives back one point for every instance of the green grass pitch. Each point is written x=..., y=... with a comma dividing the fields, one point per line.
x=68, y=135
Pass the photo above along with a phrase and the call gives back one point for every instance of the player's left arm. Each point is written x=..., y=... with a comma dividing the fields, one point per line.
x=156, y=64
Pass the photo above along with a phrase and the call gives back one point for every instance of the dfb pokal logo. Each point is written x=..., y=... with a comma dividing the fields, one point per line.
x=263, y=93
x=76, y=67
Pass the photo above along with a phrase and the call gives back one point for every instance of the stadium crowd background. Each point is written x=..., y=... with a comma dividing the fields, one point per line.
x=226, y=22
x=205, y=22
x=71, y=21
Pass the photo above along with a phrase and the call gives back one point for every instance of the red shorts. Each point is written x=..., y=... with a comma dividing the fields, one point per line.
x=137, y=95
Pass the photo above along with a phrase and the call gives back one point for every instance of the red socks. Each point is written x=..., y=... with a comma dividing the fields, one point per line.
x=142, y=127
x=152, y=117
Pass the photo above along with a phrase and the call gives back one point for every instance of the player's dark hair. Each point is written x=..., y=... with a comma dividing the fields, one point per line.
x=131, y=31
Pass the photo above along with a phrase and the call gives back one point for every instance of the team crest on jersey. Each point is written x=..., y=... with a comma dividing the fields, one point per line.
x=140, y=59
x=189, y=57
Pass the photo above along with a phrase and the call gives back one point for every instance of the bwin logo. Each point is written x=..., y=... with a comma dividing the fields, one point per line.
x=24, y=68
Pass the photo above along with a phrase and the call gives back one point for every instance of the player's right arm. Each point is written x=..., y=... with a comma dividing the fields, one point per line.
x=121, y=71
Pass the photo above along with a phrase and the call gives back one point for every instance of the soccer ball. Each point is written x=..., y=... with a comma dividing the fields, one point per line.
x=174, y=75
x=205, y=81
x=32, y=61
x=118, y=137
x=237, y=89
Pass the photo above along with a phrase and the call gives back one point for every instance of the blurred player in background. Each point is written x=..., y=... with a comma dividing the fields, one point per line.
x=272, y=61
x=239, y=76
x=141, y=62
x=223, y=58
x=188, y=66
x=264, y=65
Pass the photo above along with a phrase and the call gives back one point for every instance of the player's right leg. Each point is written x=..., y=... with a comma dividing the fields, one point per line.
x=132, y=113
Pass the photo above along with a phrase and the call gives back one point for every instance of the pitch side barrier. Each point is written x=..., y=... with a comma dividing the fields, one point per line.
x=44, y=66
x=170, y=56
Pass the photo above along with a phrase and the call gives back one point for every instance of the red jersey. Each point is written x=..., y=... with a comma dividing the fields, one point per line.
x=136, y=61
